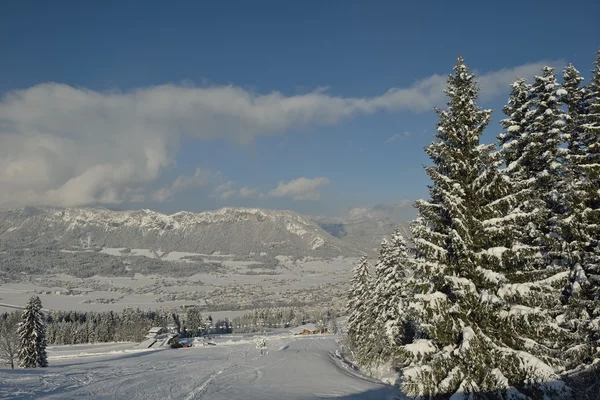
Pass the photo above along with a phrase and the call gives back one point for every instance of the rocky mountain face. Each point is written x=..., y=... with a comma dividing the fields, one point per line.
x=237, y=231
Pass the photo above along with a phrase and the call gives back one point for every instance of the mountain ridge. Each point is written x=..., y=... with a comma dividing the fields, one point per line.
x=238, y=231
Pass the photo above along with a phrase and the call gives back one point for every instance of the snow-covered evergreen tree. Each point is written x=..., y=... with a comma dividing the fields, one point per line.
x=574, y=97
x=536, y=163
x=511, y=141
x=392, y=290
x=193, y=322
x=587, y=162
x=32, y=336
x=527, y=215
x=546, y=158
x=583, y=291
x=531, y=148
x=361, y=317
x=480, y=323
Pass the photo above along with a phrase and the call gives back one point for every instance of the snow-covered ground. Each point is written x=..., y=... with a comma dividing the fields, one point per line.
x=299, y=368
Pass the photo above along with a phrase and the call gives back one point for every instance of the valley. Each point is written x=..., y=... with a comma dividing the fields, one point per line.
x=224, y=261
x=231, y=286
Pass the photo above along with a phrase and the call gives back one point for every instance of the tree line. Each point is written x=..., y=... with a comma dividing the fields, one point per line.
x=285, y=317
x=496, y=296
x=132, y=324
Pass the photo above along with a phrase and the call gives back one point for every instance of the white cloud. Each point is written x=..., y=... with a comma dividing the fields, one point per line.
x=180, y=184
x=248, y=192
x=397, y=136
x=495, y=83
x=394, y=211
x=225, y=190
x=224, y=187
x=227, y=194
x=61, y=145
x=300, y=188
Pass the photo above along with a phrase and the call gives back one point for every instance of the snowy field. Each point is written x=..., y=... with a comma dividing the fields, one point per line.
x=237, y=285
x=296, y=368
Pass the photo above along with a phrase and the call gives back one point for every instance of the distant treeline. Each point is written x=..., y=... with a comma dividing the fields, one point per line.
x=46, y=260
x=285, y=317
x=132, y=324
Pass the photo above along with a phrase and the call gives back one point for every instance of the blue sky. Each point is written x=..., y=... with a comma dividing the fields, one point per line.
x=289, y=105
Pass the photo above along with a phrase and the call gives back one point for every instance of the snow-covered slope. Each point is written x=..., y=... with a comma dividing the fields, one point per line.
x=237, y=231
x=295, y=369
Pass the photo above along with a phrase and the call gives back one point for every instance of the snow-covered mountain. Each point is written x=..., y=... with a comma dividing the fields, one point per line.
x=237, y=231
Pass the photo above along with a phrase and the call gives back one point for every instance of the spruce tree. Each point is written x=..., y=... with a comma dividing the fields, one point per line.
x=480, y=327
x=511, y=141
x=545, y=137
x=534, y=159
x=193, y=322
x=573, y=96
x=32, y=336
x=361, y=318
x=535, y=168
x=527, y=214
x=583, y=291
x=522, y=212
x=392, y=278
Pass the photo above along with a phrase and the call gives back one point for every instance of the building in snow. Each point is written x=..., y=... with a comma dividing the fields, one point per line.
x=159, y=336
x=154, y=332
x=308, y=329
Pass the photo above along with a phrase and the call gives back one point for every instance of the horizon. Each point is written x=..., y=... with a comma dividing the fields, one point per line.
x=386, y=209
x=315, y=108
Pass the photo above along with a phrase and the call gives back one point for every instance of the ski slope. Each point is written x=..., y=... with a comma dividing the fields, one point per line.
x=296, y=368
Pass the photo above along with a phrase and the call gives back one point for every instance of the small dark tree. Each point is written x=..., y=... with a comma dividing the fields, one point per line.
x=194, y=321
x=9, y=340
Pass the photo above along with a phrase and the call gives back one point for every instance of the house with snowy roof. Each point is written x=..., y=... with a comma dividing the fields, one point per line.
x=156, y=331
x=159, y=336
x=308, y=329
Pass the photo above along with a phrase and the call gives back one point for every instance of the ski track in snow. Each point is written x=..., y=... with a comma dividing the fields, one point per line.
x=296, y=368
